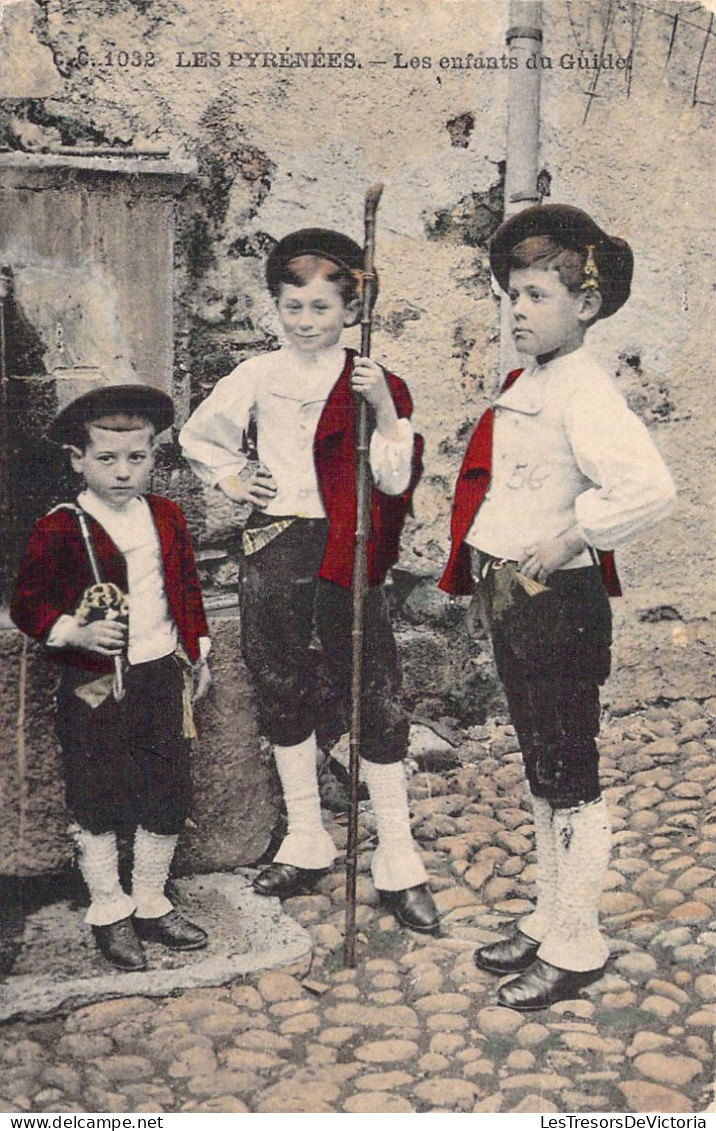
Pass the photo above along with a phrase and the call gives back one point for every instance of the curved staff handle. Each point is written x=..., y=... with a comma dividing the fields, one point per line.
x=118, y=686
x=360, y=573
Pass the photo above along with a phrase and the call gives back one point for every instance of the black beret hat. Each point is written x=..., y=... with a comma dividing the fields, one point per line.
x=112, y=400
x=322, y=242
x=573, y=230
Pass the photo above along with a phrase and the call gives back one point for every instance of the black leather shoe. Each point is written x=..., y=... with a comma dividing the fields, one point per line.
x=509, y=956
x=543, y=985
x=285, y=880
x=120, y=945
x=172, y=930
x=414, y=908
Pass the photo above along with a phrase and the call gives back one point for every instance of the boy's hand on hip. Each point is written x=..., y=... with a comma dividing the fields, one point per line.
x=254, y=484
x=539, y=561
x=368, y=380
x=475, y=618
x=105, y=637
x=202, y=680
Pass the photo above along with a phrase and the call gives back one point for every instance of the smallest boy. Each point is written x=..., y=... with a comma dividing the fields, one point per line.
x=125, y=737
x=557, y=472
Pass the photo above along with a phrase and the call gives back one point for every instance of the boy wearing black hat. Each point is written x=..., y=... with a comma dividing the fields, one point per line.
x=298, y=552
x=109, y=586
x=558, y=472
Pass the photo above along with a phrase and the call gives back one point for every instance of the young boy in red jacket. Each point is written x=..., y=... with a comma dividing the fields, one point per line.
x=108, y=585
x=298, y=552
x=557, y=472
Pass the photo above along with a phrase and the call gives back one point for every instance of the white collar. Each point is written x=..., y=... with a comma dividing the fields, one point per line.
x=527, y=393
x=328, y=359
x=111, y=516
x=307, y=378
x=568, y=362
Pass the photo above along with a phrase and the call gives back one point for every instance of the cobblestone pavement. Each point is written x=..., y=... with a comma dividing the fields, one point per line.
x=413, y=1028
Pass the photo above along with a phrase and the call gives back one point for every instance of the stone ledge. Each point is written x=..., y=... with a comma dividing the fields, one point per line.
x=59, y=967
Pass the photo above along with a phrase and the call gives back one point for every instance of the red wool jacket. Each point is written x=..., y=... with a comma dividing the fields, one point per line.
x=334, y=452
x=55, y=571
x=472, y=485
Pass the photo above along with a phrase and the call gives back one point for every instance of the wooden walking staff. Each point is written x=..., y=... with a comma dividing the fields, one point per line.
x=360, y=573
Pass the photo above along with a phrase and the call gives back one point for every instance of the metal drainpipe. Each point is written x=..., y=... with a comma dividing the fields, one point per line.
x=524, y=39
x=6, y=517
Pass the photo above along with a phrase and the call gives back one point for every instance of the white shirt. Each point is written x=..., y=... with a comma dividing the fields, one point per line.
x=152, y=632
x=567, y=450
x=288, y=392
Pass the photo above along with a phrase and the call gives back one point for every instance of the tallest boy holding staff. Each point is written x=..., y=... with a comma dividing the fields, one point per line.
x=557, y=472
x=299, y=542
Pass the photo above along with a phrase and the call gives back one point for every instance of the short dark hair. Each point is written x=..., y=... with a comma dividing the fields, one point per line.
x=116, y=422
x=299, y=271
x=545, y=252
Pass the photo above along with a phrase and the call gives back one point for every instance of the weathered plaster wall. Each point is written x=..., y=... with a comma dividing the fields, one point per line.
x=279, y=148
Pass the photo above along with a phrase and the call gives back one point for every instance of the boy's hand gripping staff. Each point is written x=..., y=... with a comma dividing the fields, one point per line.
x=103, y=599
x=360, y=573
x=111, y=599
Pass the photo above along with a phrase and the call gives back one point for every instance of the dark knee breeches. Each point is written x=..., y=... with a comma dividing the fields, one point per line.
x=552, y=653
x=283, y=605
x=127, y=763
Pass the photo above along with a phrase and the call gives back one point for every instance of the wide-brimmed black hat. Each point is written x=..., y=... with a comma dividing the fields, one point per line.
x=313, y=241
x=142, y=401
x=573, y=230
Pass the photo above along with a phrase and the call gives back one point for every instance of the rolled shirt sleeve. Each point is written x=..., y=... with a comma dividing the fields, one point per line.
x=289, y=405
x=391, y=460
x=633, y=489
x=213, y=436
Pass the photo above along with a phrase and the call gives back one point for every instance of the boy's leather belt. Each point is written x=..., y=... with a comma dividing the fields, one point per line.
x=483, y=564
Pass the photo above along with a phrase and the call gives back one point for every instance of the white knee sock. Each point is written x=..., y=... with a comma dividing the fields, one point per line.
x=99, y=864
x=307, y=844
x=539, y=921
x=153, y=855
x=396, y=864
x=582, y=844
